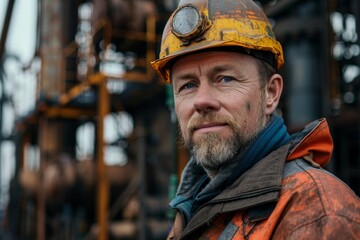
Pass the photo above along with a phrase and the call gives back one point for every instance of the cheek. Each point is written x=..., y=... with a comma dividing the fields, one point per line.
x=183, y=106
x=248, y=107
x=245, y=115
x=182, y=114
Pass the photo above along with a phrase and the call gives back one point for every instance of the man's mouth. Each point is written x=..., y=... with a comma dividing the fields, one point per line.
x=209, y=127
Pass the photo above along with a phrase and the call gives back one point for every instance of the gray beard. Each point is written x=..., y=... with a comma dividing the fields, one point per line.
x=213, y=151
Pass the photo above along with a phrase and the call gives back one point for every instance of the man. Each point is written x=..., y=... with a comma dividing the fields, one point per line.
x=247, y=178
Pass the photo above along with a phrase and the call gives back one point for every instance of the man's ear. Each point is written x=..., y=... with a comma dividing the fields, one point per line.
x=273, y=93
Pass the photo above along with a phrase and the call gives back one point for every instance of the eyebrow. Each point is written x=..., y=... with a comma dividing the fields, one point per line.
x=186, y=76
x=219, y=69
x=236, y=71
x=212, y=72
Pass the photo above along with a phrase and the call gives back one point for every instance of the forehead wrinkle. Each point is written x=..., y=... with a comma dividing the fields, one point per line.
x=238, y=70
x=186, y=76
x=199, y=69
x=218, y=69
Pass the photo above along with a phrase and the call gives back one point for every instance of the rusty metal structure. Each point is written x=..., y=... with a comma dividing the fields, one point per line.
x=79, y=84
x=97, y=65
x=321, y=74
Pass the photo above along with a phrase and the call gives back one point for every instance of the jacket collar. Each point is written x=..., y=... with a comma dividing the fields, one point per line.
x=259, y=185
x=197, y=189
x=315, y=140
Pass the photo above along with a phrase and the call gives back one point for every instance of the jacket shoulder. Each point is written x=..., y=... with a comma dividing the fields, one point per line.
x=313, y=200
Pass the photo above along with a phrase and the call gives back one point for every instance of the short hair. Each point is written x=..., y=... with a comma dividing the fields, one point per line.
x=265, y=71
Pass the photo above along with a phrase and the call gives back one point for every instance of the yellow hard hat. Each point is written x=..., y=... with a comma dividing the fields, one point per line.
x=202, y=24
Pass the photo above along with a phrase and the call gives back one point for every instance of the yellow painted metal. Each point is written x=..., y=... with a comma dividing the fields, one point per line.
x=239, y=23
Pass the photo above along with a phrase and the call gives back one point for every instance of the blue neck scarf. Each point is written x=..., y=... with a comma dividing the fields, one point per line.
x=197, y=190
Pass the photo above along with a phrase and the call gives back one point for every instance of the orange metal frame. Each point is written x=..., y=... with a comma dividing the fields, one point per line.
x=62, y=110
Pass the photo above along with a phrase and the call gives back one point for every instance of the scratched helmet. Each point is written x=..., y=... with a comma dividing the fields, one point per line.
x=198, y=25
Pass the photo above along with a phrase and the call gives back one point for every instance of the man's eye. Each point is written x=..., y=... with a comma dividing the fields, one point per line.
x=227, y=79
x=188, y=86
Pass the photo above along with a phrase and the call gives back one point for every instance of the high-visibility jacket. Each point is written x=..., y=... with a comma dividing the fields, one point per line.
x=286, y=195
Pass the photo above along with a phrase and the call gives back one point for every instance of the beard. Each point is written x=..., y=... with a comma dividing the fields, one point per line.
x=212, y=150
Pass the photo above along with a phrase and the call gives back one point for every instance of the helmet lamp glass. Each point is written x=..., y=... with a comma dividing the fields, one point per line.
x=186, y=21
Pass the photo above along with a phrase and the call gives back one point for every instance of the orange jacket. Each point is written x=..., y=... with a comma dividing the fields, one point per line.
x=278, y=200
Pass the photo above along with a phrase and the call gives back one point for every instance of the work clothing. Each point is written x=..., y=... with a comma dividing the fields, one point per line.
x=285, y=195
x=196, y=188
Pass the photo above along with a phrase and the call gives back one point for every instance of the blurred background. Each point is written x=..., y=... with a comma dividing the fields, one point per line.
x=88, y=140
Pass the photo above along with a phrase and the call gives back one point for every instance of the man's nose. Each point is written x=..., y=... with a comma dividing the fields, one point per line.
x=205, y=100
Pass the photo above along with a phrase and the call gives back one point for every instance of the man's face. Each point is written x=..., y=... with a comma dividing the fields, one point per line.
x=219, y=103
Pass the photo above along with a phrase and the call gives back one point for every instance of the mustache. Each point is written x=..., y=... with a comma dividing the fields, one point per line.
x=195, y=122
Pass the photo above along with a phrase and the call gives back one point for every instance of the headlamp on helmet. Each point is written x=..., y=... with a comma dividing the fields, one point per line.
x=201, y=25
x=188, y=23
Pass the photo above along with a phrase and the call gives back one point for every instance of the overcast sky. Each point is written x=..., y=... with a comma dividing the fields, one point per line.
x=22, y=27
x=20, y=42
